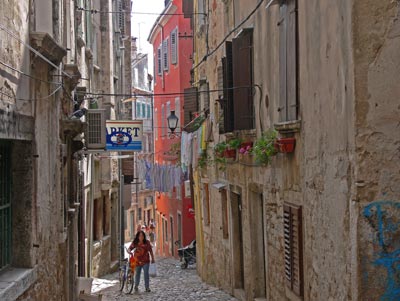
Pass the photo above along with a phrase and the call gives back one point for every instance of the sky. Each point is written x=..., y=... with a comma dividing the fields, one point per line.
x=142, y=24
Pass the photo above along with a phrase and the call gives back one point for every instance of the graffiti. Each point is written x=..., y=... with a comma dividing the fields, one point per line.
x=384, y=218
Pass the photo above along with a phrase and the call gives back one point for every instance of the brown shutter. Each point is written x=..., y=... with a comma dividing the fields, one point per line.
x=283, y=112
x=190, y=105
x=227, y=65
x=292, y=59
x=187, y=7
x=293, y=254
x=243, y=109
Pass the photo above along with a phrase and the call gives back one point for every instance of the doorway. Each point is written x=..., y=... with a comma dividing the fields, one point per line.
x=258, y=244
x=237, y=241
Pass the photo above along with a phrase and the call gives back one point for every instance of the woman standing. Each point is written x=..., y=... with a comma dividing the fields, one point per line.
x=143, y=251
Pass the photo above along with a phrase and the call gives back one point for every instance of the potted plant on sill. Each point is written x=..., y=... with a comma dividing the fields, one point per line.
x=203, y=160
x=265, y=147
x=227, y=149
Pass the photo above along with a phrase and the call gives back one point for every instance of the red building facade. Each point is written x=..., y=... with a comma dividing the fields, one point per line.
x=172, y=63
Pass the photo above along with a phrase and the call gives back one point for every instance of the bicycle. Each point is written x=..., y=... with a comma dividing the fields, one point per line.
x=127, y=273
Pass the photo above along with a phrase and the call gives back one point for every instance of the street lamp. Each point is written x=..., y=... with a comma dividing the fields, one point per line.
x=173, y=124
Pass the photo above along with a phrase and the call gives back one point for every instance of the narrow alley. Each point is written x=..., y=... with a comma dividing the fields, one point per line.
x=171, y=284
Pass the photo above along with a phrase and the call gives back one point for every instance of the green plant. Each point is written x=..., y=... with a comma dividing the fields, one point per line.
x=219, y=148
x=204, y=159
x=264, y=148
x=235, y=143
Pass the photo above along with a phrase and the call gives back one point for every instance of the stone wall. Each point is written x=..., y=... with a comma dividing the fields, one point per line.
x=376, y=195
x=343, y=173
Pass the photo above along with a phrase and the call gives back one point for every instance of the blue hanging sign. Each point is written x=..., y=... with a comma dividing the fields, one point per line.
x=124, y=135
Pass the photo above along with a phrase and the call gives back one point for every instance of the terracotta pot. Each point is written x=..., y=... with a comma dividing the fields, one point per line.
x=230, y=153
x=246, y=144
x=286, y=145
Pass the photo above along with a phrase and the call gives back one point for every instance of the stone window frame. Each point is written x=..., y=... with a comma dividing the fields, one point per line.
x=16, y=278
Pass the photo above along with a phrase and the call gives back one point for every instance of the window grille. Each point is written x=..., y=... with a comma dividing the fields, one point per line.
x=5, y=204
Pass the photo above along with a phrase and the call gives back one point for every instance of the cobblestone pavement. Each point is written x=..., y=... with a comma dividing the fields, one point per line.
x=171, y=284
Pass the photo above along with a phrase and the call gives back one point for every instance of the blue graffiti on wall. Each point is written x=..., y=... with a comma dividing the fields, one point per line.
x=383, y=217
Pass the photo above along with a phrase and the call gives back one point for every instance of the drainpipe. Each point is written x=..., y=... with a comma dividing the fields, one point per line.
x=91, y=201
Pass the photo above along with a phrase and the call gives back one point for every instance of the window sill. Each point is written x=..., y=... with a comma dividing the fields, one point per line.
x=14, y=282
x=292, y=126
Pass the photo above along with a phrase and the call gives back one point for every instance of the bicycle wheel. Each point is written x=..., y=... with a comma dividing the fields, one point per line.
x=130, y=282
x=121, y=278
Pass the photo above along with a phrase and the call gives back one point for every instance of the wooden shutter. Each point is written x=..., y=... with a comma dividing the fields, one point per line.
x=288, y=99
x=174, y=46
x=293, y=246
x=165, y=55
x=227, y=66
x=190, y=105
x=121, y=17
x=159, y=60
x=187, y=7
x=242, y=56
x=292, y=60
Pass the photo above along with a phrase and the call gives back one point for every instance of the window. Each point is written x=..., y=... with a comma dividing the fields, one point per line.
x=191, y=104
x=242, y=58
x=288, y=96
x=143, y=110
x=165, y=55
x=148, y=114
x=5, y=204
x=178, y=192
x=155, y=125
x=206, y=204
x=174, y=46
x=139, y=214
x=166, y=230
x=293, y=245
x=138, y=109
x=224, y=206
x=159, y=60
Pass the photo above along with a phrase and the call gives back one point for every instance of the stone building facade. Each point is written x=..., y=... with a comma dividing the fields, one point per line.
x=39, y=156
x=58, y=58
x=321, y=222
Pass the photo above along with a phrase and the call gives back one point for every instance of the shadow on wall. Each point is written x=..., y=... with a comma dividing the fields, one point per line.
x=381, y=259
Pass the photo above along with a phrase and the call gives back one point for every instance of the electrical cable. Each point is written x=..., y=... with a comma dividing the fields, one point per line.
x=165, y=94
x=95, y=11
x=2, y=27
x=32, y=99
x=28, y=75
x=208, y=54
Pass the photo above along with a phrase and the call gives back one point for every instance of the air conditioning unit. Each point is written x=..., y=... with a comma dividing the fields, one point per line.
x=187, y=189
x=96, y=129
